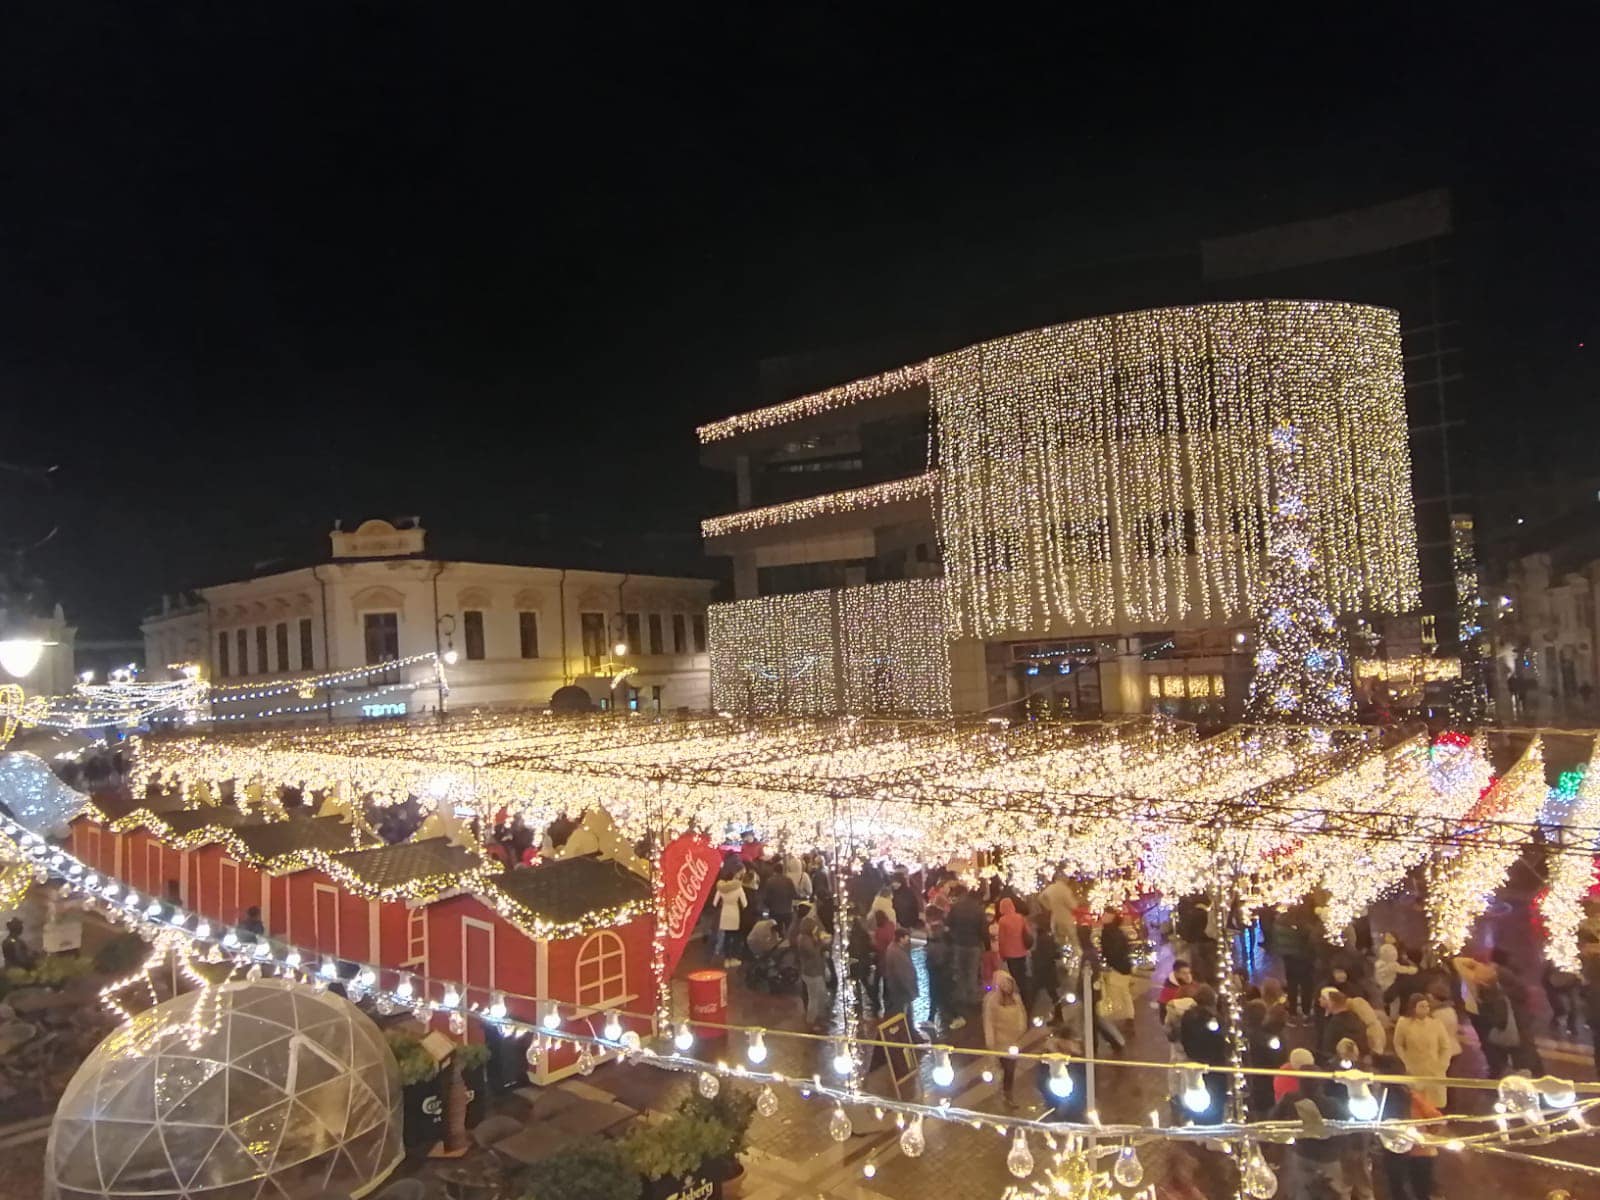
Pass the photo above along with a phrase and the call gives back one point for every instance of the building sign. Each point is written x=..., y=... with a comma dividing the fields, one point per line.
x=393, y=709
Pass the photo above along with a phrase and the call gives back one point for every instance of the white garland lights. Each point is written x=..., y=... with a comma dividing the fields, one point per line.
x=129, y=702
x=899, y=380
x=217, y=950
x=1571, y=877
x=895, y=491
x=1465, y=878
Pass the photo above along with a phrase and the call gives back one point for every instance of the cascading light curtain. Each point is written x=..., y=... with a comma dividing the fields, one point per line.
x=878, y=648
x=1112, y=473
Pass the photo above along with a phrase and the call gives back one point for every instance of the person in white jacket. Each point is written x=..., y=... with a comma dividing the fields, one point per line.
x=1422, y=1044
x=730, y=900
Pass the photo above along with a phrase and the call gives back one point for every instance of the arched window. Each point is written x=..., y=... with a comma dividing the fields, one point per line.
x=602, y=970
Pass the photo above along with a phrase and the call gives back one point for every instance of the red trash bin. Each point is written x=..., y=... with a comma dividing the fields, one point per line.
x=708, y=1001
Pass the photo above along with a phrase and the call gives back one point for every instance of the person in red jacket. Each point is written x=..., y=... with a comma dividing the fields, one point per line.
x=1014, y=939
x=1179, y=981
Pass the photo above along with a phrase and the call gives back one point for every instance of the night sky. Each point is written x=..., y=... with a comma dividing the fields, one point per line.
x=266, y=265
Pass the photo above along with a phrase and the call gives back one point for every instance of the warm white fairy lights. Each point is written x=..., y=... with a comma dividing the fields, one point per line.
x=875, y=649
x=774, y=654
x=131, y=702
x=1465, y=877
x=899, y=380
x=895, y=491
x=1416, y=668
x=1112, y=473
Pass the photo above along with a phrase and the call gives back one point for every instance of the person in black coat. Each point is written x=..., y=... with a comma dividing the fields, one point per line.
x=1205, y=1041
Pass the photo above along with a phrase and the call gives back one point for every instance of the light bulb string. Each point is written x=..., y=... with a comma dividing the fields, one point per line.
x=185, y=921
x=244, y=954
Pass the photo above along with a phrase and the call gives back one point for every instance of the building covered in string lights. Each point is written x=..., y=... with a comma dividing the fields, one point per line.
x=357, y=636
x=1071, y=520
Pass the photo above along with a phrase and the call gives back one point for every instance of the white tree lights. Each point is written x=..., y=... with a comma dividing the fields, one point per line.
x=1301, y=669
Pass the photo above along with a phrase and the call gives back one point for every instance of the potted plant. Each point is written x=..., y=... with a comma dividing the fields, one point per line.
x=733, y=1109
x=672, y=1154
x=418, y=1080
x=593, y=1168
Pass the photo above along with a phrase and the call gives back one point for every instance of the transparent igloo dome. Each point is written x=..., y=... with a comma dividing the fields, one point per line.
x=278, y=1091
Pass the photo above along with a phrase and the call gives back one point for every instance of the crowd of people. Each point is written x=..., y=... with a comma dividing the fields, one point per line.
x=1311, y=1003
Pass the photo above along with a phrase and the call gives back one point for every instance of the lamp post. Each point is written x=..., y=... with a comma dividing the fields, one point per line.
x=443, y=632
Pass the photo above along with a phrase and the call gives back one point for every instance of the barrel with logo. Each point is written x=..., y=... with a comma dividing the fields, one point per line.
x=708, y=1002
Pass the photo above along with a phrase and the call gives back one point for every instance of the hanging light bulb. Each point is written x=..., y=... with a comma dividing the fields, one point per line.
x=329, y=969
x=943, y=1073
x=1556, y=1093
x=254, y=973
x=92, y=880
x=1397, y=1139
x=756, y=1051
x=612, y=1031
x=153, y=909
x=839, y=1125
x=1518, y=1095
x=869, y=1169
x=766, y=1101
x=292, y=959
x=262, y=950
x=1260, y=1180
x=405, y=988
x=451, y=997
x=202, y=931
x=1275, y=1043
x=366, y=977
x=632, y=1043
x=532, y=1053
x=1019, y=1159
x=585, y=1059
x=843, y=1061
x=912, y=1143
x=708, y=1084
x=458, y=1024
x=549, y=1015
x=1196, y=1096
x=1363, y=1105
x=1128, y=1170
x=1060, y=1081
x=684, y=1038
x=421, y=1013
x=497, y=1007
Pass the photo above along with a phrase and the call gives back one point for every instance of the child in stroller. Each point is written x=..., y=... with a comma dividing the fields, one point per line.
x=772, y=965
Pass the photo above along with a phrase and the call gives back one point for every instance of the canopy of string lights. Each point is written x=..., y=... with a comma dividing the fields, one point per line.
x=1136, y=806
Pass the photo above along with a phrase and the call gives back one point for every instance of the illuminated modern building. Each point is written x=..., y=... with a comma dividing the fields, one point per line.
x=511, y=635
x=1069, y=520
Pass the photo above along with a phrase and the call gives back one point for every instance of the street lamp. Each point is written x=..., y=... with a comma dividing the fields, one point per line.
x=20, y=655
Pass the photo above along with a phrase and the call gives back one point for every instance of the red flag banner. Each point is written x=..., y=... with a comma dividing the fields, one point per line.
x=689, y=867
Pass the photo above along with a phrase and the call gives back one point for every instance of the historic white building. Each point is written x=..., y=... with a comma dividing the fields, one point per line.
x=509, y=635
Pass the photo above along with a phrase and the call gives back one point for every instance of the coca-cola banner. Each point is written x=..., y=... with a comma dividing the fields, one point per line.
x=689, y=868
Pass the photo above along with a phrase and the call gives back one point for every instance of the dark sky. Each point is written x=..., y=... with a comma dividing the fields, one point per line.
x=263, y=265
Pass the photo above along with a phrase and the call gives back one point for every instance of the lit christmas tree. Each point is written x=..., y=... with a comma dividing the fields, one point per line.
x=1302, y=673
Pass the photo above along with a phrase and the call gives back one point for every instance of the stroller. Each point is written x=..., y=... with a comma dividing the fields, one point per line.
x=772, y=965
